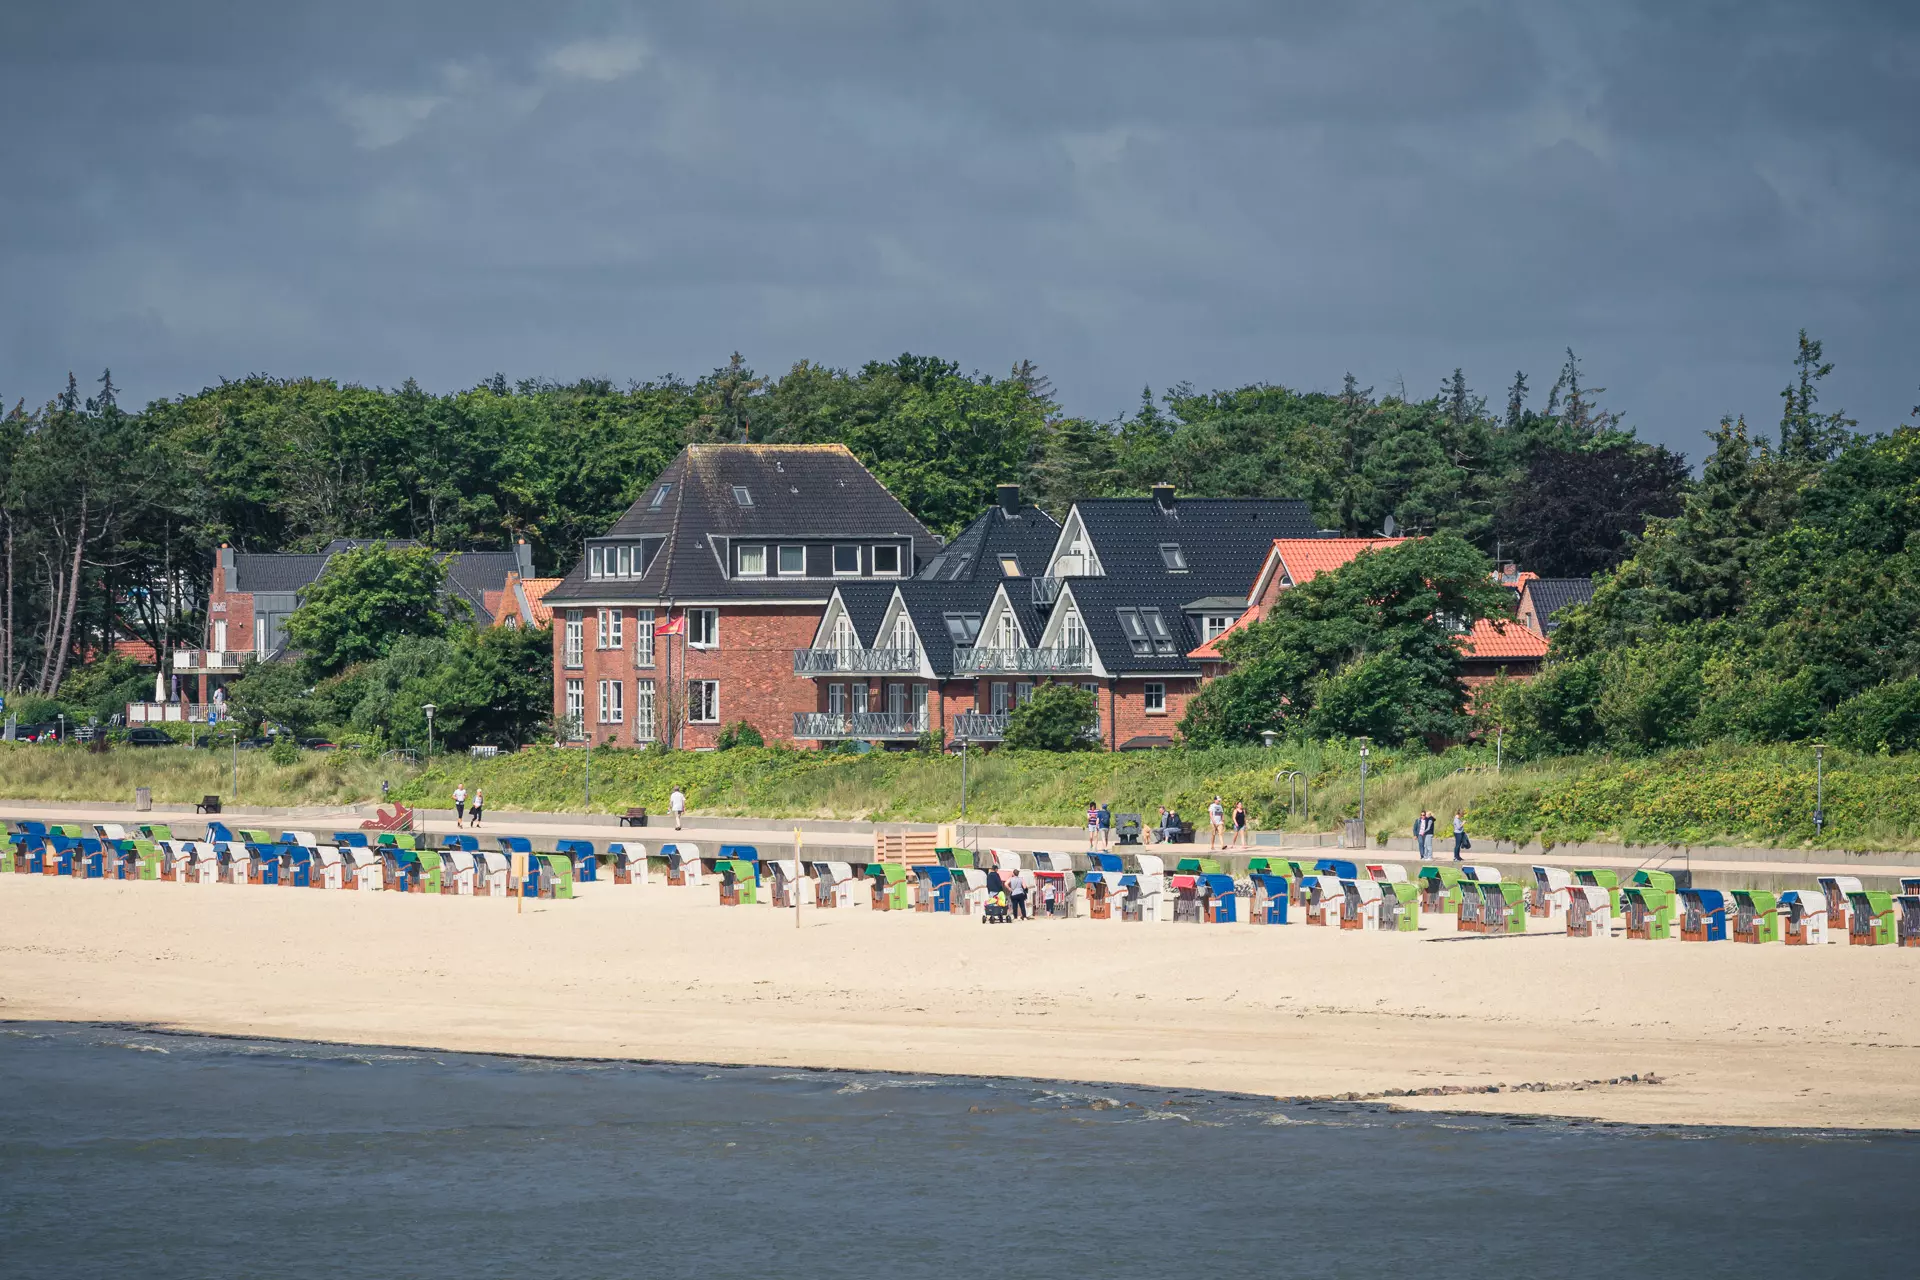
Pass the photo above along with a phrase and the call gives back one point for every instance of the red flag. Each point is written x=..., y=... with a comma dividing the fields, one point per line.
x=671, y=627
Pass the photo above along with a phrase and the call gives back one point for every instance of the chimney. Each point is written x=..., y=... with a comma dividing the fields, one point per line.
x=1163, y=497
x=523, y=558
x=1008, y=496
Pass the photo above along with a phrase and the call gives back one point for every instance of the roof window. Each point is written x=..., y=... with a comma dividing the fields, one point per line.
x=660, y=497
x=742, y=498
x=963, y=628
x=1010, y=565
x=1173, y=557
x=1157, y=629
x=1135, y=631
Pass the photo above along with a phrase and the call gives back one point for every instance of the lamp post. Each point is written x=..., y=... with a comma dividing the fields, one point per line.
x=1819, y=788
x=1363, y=792
x=429, y=708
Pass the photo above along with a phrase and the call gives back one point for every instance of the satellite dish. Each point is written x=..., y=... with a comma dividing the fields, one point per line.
x=1387, y=527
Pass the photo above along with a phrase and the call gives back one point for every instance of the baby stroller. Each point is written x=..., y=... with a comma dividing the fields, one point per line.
x=999, y=909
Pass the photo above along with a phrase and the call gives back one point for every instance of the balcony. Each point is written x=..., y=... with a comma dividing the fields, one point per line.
x=1024, y=662
x=1045, y=592
x=212, y=661
x=855, y=662
x=858, y=726
x=980, y=726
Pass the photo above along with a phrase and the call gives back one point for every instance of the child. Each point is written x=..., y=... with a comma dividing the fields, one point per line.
x=1049, y=896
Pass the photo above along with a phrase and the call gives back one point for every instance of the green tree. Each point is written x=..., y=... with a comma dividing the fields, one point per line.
x=1058, y=717
x=366, y=600
x=1807, y=435
x=1371, y=648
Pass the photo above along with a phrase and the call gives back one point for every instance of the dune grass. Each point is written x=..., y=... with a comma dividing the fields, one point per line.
x=1729, y=795
x=179, y=775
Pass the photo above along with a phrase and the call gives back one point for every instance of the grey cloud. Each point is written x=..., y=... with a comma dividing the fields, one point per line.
x=1134, y=192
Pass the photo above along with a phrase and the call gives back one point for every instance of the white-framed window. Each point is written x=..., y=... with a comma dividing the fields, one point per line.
x=836, y=699
x=846, y=560
x=596, y=565
x=660, y=497
x=1003, y=631
x=1073, y=633
x=643, y=711
x=612, y=628
x=1212, y=625
x=703, y=628
x=886, y=561
x=859, y=699
x=576, y=639
x=613, y=702
x=903, y=632
x=753, y=562
x=793, y=561
x=576, y=726
x=1002, y=698
x=920, y=707
x=703, y=701
x=1022, y=693
x=742, y=496
x=220, y=636
x=626, y=559
x=643, y=638
x=843, y=637
x=1154, y=698
x=896, y=699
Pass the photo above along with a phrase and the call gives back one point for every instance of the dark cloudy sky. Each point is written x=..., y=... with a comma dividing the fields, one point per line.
x=1132, y=192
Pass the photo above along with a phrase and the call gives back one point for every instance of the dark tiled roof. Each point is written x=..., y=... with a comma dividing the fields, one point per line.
x=800, y=492
x=1551, y=595
x=866, y=605
x=974, y=554
x=471, y=575
x=1099, y=601
x=1224, y=540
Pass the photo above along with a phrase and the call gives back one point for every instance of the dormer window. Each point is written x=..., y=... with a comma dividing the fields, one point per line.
x=753, y=562
x=846, y=560
x=1173, y=557
x=886, y=561
x=742, y=498
x=660, y=497
x=596, y=562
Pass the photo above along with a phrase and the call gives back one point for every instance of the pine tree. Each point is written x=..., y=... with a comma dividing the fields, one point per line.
x=1517, y=401
x=1807, y=436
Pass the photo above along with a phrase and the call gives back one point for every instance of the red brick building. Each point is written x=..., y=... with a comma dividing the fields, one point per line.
x=1112, y=598
x=685, y=615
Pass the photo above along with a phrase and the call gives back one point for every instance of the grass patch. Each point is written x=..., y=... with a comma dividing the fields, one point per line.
x=1727, y=795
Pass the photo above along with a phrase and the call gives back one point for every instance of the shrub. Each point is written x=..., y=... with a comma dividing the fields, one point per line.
x=739, y=734
x=1058, y=717
x=1884, y=718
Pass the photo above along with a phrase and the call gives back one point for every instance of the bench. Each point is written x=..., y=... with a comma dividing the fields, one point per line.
x=636, y=817
x=208, y=804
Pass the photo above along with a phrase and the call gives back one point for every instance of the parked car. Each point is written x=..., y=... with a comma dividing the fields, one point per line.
x=147, y=736
x=36, y=733
x=318, y=744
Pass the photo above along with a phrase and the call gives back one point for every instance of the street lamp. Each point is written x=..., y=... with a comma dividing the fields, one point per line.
x=1819, y=788
x=1363, y=792
x=429, y=709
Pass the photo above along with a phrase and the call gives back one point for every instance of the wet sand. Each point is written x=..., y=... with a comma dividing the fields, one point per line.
x=1767, y=1036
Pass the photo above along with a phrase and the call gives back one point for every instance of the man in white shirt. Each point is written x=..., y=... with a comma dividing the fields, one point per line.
x=1217, y=819
x=677, y=802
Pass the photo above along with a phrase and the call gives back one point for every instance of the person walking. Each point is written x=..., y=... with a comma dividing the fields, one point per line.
x=677, y=804
x=1106, y=826
x=1216, y=824
x=460, y=805
x=1093, y=826
x=1239, y=824
x=1461, y=841
x=1423, y=833
x=479, y=803
x=1017, y=889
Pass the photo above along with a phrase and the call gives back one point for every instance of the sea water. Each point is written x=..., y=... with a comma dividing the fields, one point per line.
x=135, y=1154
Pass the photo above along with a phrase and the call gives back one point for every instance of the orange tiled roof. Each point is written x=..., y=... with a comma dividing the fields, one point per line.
x=1307, y=558
x=1491, y=638
x=139, y=650
x=536, y=592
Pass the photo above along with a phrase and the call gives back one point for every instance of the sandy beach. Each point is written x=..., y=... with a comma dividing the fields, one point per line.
x=1770, y=1036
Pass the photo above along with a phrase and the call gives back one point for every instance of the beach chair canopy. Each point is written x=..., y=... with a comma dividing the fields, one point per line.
x=575, y=848
x=1709, y=899
x=838, y=872
x=1151, y=864
x=1482, y=875
x=976, y=878
x=1364, y=890
x=1604, y=876
x=356, y=839
x=1106, y=862
x=1338, y=868
x=1392, y=872
x=1005, y=859
x=935, y=875
x=307, y=838
x=1179, y=881
x=1552, y=878
x=492, y=860
x=469, y=843
x=624, y=851
x=110, y=831
x=1275, y=886
x=1259, y=866
x=517, y=844
x=744, y=851
x=1217, y=884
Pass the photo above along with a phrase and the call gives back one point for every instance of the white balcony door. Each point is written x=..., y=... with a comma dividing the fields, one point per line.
x=220, y=636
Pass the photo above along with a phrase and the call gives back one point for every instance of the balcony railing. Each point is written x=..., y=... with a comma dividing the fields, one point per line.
x=980, y=661
x=1045, y=592
x=855, y=662
x=980, y=726
x=214, y=660
x=991, y=726
x=859, y=725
